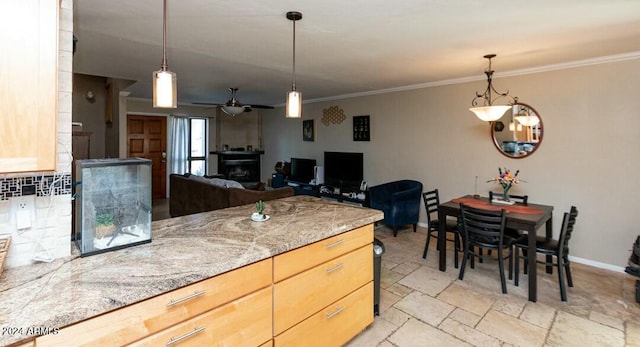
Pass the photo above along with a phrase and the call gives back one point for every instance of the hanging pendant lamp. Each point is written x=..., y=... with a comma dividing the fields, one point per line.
x=165, y=90
x=487, y=111
x=524, y=117
x=294, y=97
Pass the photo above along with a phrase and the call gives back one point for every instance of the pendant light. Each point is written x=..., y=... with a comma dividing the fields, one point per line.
x=294, y=97
x=524, y=117
x=487, y=111
x=165, y=90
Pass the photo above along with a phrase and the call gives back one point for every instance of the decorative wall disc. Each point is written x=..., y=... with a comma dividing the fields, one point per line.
x=333, y=115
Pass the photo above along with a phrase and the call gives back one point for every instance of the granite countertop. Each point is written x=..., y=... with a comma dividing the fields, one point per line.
x=183, y=250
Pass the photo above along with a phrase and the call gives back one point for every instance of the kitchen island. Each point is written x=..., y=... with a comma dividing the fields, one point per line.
x=44, y=298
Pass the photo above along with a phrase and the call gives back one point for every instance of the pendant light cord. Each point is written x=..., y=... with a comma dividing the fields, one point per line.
x=294, y=56
x=164, y=65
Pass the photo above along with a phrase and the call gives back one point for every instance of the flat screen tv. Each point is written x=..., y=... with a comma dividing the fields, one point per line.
x=302, y=170
x=343, y=169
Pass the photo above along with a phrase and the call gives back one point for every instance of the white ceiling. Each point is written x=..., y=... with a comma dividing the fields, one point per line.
x=342, y=46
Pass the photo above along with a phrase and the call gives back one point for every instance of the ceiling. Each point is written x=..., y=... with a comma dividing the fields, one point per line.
x=342, y=47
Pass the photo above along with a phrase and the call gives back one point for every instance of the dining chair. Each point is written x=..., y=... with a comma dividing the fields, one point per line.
x=557, y=248
x=522, y=199
x=485, y=229
x=431, y=202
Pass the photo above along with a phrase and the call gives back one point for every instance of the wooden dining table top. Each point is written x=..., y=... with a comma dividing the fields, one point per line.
x=524, y=217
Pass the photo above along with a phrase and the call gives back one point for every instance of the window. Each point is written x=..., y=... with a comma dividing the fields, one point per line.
x=197, y=146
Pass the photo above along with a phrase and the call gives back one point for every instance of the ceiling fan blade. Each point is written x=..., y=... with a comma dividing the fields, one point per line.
x=207, y=103
x=261, y=106
x=233, y=104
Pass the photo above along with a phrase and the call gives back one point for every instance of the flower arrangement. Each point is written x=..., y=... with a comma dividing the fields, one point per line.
x=506, y=180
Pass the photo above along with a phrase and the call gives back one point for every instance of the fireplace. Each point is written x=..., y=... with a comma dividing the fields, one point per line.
x=240, y=166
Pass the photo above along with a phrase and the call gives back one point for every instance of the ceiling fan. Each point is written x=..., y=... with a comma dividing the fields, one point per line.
x=233, y=106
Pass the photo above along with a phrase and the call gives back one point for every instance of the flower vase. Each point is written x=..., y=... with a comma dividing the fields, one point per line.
x=505, y=193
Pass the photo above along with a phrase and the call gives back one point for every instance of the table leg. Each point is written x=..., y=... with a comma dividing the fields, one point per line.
x=549, y=235
x=442, y=238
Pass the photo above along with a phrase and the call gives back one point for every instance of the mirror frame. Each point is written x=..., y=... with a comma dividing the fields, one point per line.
x=499, y=147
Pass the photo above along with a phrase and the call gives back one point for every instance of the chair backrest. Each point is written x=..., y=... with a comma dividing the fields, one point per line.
x=431, y=202
x=523, y=199
x=568, y=222
x=483, y=227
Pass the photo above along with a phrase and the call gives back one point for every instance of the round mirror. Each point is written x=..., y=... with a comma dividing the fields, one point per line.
x=519, y=132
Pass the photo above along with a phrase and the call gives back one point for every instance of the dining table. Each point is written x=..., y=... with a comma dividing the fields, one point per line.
x=529, y=218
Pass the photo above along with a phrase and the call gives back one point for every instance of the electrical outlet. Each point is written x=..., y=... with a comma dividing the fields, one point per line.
x=23, y=211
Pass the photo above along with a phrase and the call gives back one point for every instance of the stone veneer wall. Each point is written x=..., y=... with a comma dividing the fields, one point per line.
x=50, y=231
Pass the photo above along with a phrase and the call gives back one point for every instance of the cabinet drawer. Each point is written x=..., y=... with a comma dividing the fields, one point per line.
x=299, y=297
x=136, y=321
x=288, y=264
x=243, y=322
x=334, y=325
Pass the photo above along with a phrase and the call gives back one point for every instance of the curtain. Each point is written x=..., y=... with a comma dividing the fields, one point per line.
x=179, y=144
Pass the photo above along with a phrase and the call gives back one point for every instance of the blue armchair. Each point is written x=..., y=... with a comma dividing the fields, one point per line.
x=400, y=202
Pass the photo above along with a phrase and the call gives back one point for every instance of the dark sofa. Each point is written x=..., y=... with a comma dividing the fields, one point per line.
x=193, y=194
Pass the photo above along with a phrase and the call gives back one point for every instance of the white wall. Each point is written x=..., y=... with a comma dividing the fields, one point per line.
x=588, y=157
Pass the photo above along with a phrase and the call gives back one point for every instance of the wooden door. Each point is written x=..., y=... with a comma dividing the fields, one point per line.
x=147, y=138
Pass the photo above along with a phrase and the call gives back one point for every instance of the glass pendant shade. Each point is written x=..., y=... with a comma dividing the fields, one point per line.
x=232, y=110
x=294, y=104
x=165, y=89
x=528, y=121
x=490, y=113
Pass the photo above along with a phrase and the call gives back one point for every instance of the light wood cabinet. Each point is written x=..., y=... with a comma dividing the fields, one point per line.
x=301, y=296
x=315, y=300
x=295, y=261
x=140, y=320
x=317, y=295
x=28, y=94
x=242, y=322
x=334, y=325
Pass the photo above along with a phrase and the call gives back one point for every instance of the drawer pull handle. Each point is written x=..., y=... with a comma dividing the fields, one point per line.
x=335, y=313
x=174, y=340
x=188, y=297
x=339, y=266
x=334, y=243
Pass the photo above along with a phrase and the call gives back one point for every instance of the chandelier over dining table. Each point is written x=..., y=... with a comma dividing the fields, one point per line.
x=483, y=105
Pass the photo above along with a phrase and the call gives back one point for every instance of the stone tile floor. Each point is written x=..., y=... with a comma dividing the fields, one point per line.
x=422, y=306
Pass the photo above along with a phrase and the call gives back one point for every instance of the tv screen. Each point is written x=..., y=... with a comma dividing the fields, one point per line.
x=302, y=170
x=343, y=169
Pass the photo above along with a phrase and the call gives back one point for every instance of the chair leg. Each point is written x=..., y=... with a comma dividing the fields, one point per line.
x=511, y=263
x=456, y=249
x=526, y=261
x=563, y=289
x=395, y=231
x=516, y=278
x=567, y=267
x=426, y=244
x=464, y=262
x=503, y=281
x=473, y=259
x=415, y=227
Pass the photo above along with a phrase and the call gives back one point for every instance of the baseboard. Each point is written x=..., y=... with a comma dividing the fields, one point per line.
x=597, y=264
